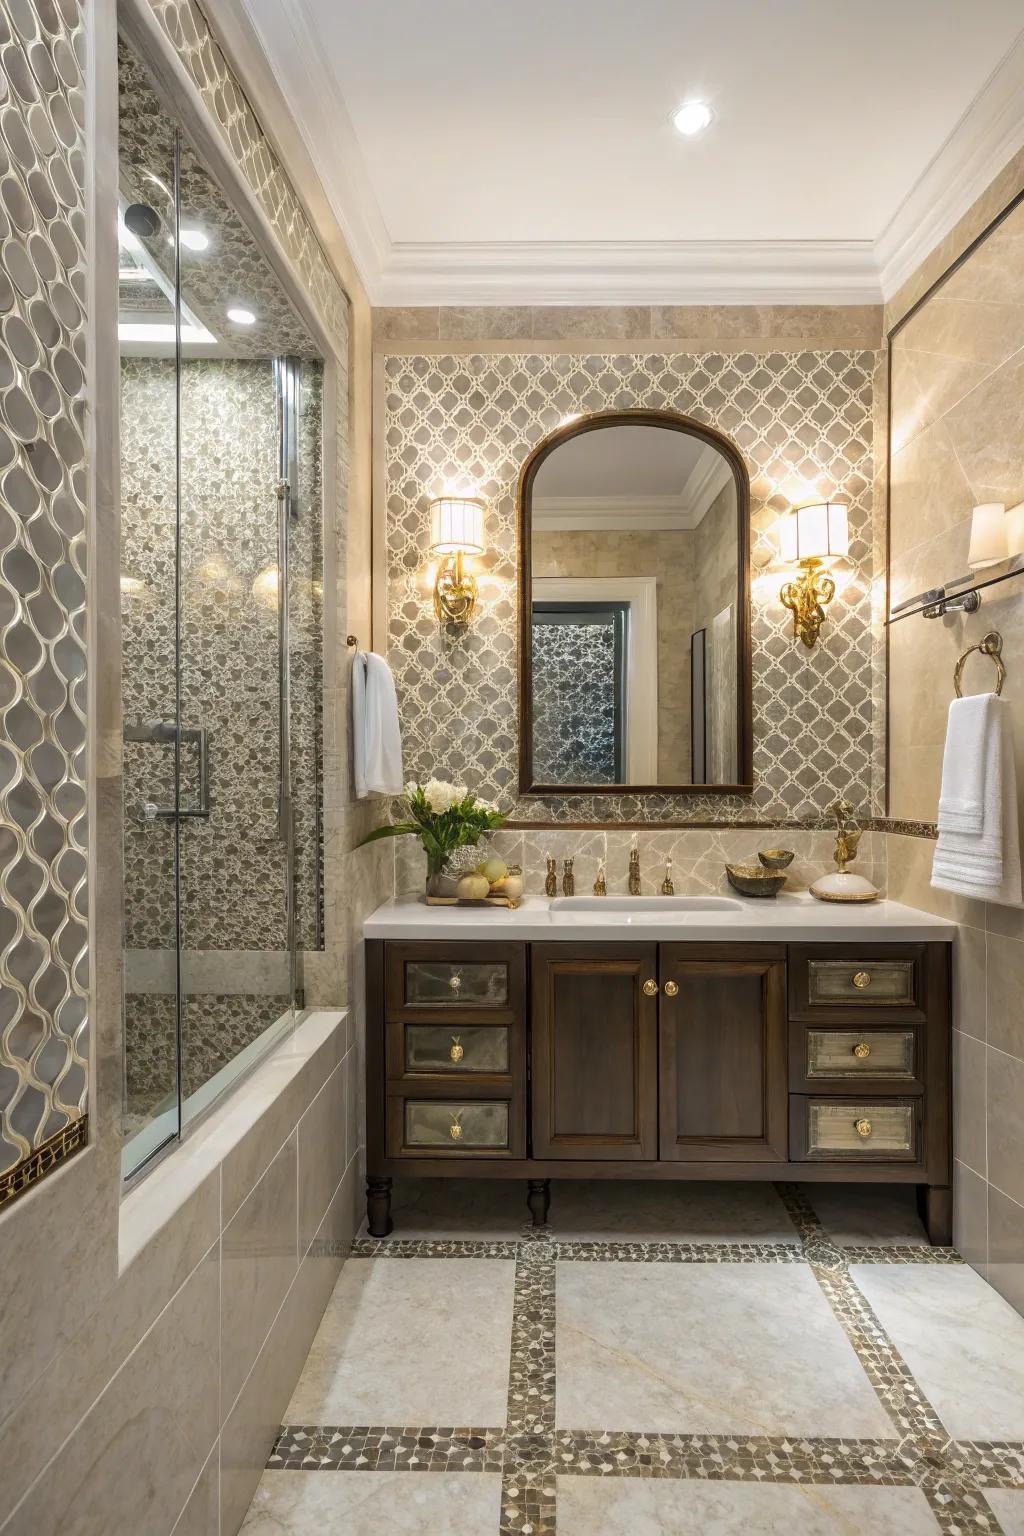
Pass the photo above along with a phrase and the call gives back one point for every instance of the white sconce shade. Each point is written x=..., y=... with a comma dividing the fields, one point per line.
x=988, y=535
x=456, y=526
x=1015, y=530
x=818, y=531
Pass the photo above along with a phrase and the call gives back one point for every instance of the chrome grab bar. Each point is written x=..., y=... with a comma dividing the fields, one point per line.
x=163, y=733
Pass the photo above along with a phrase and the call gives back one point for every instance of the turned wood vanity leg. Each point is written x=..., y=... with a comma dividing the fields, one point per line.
x=538, y=1198
x=378, y=1207
x=935, y=1204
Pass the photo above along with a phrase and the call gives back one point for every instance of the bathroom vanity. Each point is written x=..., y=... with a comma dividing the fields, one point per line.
x=697, y=1039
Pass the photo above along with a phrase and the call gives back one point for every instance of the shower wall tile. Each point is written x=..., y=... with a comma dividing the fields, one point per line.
x=801, y=418
x=43, y=488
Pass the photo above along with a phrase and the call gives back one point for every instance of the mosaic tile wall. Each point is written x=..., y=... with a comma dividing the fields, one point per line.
x=574, y=686
x=803, y=420
x=43, y=921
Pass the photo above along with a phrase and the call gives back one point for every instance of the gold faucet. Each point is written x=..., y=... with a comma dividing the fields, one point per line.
x=568, y=878
x=600, y=887
x=667, y=888
x=551, y=879
x=634, y=871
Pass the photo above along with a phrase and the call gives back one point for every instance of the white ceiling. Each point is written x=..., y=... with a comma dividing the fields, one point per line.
x=628, y=478
x=523, y=152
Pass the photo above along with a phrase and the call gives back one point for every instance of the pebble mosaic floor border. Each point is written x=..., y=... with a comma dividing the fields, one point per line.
x=530, y=1452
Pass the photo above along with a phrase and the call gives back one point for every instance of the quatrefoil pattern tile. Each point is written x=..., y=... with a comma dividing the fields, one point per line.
x=43, y=959
x=800, y=418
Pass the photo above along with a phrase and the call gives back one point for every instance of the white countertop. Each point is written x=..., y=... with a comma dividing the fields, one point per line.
x=791, y=918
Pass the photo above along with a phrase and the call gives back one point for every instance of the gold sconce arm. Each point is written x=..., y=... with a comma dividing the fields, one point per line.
x=807, y=597
x=454, y=591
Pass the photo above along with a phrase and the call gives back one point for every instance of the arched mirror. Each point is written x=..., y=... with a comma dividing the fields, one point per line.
x=634, y=627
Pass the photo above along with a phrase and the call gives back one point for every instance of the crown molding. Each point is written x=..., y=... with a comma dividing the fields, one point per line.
x=706, y=480
x=614, y=514
x=988, y=135
x=630, y=272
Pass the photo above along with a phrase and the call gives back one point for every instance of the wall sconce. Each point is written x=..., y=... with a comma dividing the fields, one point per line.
x=456, y=530
x=988, y=536
x=813, y=537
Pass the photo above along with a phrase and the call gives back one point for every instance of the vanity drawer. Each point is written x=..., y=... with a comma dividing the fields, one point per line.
x=825, y=1058
x=855, y=1130
x=465, y=981
x=834, y=981
x=451, y=1127
x=448, y=1048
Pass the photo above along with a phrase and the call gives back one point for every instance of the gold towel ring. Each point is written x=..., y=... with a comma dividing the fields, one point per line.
x=992, y=645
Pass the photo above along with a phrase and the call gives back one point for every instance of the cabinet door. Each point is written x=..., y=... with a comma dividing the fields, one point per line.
x=722, y=1044
x=595, y=1051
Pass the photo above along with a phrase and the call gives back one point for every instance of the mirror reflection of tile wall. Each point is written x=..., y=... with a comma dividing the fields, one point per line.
x=800, y=418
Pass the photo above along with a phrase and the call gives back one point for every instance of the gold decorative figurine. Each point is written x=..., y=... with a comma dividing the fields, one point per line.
x=600, y=886
x=842, y=885
x=568, y=878
x=634, y=871
x=551, y=879
x=667, y=888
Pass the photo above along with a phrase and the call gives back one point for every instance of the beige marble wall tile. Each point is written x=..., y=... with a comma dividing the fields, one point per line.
x=1006, y=1247
x=159, y=1413
x=969, y=1102
x=1005, y=988
x=499, y=322
x=409, y=322
x=259, y=1256
x=969, y=982
x=928, y=488
x=970, y=1216
x=322, y=1150
x=953, y=324
x=586, y=849
x=201, y=1515
x=1006, y=1124
x=986, y=429
x=557, y=322
x=910, y=868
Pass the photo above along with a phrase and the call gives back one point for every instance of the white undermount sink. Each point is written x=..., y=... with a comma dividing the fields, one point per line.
x=633, y=905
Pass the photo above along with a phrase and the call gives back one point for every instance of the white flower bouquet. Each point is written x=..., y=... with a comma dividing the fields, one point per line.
x=444, y=817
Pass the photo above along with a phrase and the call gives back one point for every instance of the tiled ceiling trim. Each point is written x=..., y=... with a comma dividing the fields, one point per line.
x=471, y=421
x=44, y=912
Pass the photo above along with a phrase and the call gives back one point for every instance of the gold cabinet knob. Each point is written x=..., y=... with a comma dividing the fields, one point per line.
x=650, y=987
x=862, y=1051
x=456, y=1129
x=455, y=981
x=863, y=1128
x=457, y=1050
x=862, y=979
x=671, y=989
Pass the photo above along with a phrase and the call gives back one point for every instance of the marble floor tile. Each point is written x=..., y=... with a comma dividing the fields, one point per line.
x=484, y=1210
x=857, y=1215
x=374, y=1504
x=962, y=1341
x=724, y=1348
x=655, y=1507
x=411, y=1341
x=1008, y=1505
x=658, y=1211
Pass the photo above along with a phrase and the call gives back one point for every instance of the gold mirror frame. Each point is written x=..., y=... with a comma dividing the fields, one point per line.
x=675, y=422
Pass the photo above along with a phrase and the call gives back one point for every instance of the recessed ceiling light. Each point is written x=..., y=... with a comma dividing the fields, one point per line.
x=242, y=316
x=193, y=239
x=692, y=117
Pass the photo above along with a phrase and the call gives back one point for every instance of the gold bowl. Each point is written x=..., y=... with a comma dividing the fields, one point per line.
x=777, y=858
x=753, y=880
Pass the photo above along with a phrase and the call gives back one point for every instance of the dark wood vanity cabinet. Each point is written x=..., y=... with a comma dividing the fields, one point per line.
x=659, y=1060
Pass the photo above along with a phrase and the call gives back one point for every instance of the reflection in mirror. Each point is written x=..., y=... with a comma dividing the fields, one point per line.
x=634, y=536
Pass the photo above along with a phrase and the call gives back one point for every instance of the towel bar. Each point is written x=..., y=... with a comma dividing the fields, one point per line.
x=991, y=645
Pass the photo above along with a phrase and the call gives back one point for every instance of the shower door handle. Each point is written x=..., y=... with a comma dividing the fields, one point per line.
x=161, y=733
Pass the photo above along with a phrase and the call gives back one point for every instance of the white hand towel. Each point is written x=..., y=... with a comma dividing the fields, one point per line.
x=376, y=734
x=983, y=863
x=968, y=750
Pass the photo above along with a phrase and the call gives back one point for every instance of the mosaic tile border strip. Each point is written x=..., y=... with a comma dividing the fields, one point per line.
x=530, y=1453
x=48, y=1155
x=894, y=824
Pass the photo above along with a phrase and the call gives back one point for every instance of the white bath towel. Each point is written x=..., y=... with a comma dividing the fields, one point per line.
x=969, y=743
x=376, y=734
x=978, y=851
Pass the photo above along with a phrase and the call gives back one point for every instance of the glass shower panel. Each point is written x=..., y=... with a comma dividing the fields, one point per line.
x=147, y=240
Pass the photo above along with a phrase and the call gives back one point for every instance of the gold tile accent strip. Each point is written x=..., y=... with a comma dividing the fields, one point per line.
x=50, y=1154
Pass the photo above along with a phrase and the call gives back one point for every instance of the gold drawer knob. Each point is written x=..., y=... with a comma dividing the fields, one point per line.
x=671, y=989
x=862, y=979
x=457, y=1050
x=650, y=987
x=863, y=1128
x=456, y=1128
x=862, y=1051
